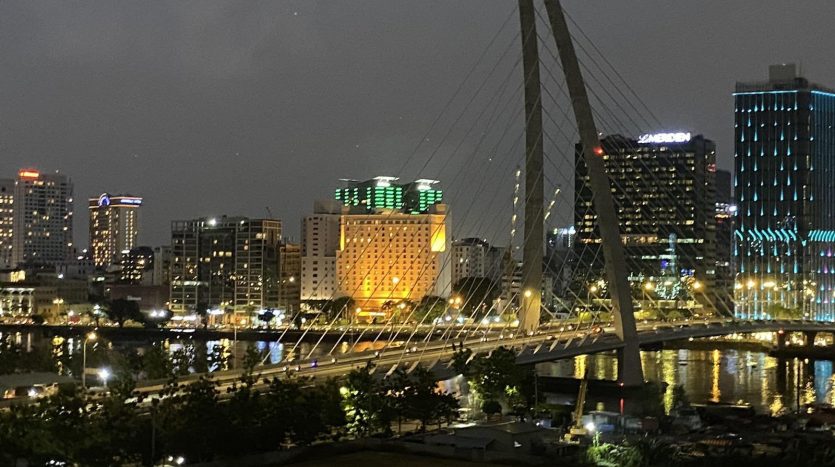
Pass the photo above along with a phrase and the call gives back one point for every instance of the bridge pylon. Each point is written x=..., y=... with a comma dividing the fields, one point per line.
x=630, y=372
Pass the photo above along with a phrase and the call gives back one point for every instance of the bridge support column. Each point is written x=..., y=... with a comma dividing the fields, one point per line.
x=781, y=340
x=810, y=338
x=629, y=367
x=534, y=241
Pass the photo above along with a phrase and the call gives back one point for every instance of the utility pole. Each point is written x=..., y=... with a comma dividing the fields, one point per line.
x=629, y=367
x=534, y=234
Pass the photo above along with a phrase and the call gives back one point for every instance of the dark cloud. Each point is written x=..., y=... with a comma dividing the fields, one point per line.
x=208, y=107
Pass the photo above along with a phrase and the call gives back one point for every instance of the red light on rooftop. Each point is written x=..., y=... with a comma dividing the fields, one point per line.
x=28, y=173
x=598, y=150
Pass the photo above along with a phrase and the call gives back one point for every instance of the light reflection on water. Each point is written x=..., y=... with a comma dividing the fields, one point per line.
x=66, y=349
x=769, y=384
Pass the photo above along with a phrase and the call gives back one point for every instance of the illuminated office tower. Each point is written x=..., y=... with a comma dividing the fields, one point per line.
x=391, y=256
x=114, y=226
x=784, y=153
x=6, y=222
x=664, y=191
x=43, y=213
x=384, y=193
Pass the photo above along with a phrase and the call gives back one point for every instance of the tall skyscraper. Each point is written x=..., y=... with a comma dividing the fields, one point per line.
x=224, y=263
x=784, y=153
x=43, y=214
x=114, y=226
x=6, y=222
x=664, y=191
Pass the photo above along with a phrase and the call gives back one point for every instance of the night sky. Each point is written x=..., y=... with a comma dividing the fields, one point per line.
x=212, y=107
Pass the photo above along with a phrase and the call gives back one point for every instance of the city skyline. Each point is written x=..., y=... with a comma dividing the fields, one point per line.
x=157, y=108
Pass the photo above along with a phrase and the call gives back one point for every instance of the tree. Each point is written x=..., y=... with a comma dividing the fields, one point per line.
x=477, y=295
x=430, y=308
x=266, y=317
x=366, y=412
x=122, y=309
x=341, y=306
x=491, y=407
x=202, y=311
x=425, y=402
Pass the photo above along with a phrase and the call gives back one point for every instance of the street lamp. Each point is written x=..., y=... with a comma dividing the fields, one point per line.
x=91, y=336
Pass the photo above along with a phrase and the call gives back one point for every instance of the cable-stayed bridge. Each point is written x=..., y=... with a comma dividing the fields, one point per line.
x=569, y=92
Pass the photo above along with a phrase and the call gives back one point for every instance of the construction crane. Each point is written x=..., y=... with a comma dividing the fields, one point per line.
x=578, y=430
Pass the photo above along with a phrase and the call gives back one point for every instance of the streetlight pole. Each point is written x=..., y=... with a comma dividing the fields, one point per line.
x=89, y=337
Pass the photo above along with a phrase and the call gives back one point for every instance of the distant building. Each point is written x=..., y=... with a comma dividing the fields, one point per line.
x=114, y=226
x=290, y=270
x=663, y=187
x=474, y=257
x=138, y=266
x=725, y=221
x=43, y=213
x=224, y=263
x=784, y=153
x=392, y=255
x=6, y=222
x=162, y=265
x=46, y=295
x=320, y=242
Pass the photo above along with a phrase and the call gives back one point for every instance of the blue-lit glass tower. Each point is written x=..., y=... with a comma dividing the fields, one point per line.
x=784, y=185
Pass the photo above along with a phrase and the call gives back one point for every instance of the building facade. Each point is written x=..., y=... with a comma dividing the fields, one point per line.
x=226, y=263
x=290, y=270
x=725, y=221
x=114, y=226
x=43, y=214
x=474, y=257
x=138, y=266
x=663, y=187
x=784, y=153
x=6, y=222
x=320, y=242
x=392, y=255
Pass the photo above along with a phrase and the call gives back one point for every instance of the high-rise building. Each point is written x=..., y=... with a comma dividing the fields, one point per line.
x=384, y=193
x=784, y=153
x=162, y=265
x=725, y=218
x=320, y=242
x=43, y=213
x=392, y=255
x=114, y=227
x=474, y=257
x=138, y=266
x=6, y=222
x=290, y=269
x=663, y=187
x=226, y=263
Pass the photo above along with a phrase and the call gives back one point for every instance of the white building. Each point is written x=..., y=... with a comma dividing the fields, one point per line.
x=320, y=241
x=43, y=213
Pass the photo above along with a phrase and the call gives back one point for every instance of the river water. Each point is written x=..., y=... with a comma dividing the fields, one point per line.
x=769, y=384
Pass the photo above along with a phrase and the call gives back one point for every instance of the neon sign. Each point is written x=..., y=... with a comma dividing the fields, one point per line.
x=656, y=138
x=28, y=174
